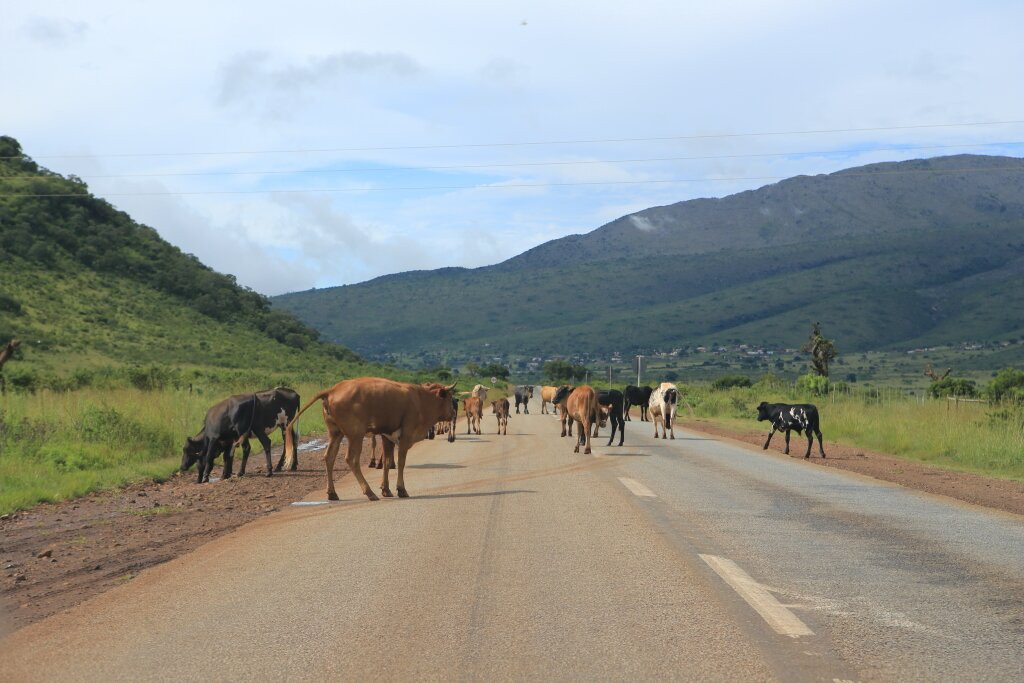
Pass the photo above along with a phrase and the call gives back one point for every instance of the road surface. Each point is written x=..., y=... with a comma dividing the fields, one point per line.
x=516, y=558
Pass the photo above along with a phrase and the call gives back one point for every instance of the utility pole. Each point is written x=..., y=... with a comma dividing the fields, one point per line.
x=639, y=368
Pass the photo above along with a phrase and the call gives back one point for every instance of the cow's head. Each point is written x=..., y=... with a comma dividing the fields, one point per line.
x=494, y=407
x=444, y=394
x=562, y=393
x=671, y=396
x=193, y=450
x=763, y=412
x=529, y=391
x=602, y=414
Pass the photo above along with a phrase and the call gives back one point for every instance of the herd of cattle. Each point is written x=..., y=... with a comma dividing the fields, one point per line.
x=402, y=414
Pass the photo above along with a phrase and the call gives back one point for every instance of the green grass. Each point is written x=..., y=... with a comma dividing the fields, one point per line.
x=970, y=437
x=60, y=445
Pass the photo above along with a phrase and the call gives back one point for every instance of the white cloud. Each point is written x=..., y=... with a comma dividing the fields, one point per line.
x=418, y=78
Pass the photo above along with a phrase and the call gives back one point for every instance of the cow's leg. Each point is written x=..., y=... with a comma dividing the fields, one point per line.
x=562, y=417
x=622, y=430
x=810, y=442
x=585, y=436
x=403, y=449
x=280, y=461
x=580, y=438
x=526, y=407
x=229, y=462
x=245, y=457
x=787, y=443
x=265, y=442
x=820, y=446
x=329, y=456
x=205, y=462
x=625, y=410
x=769, y=440
x=387, y=457
x=645, y=415
x=671, y=427
x=355, y=449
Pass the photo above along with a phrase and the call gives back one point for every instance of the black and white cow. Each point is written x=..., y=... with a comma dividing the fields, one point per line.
x=636, y=396
x=234, y=421
x=662, y=408
x=802, y=417
x=610, y=402
x=523, y=395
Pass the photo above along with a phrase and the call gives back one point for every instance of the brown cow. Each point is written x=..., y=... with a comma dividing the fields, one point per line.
x=401, y=413
x=500, y=409
x=474, y=409
x=581, y=406
x=558, y=401
x=547, y=393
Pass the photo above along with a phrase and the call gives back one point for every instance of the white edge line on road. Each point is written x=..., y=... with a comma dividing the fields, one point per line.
x=637, y=488
x=757, y=596
x=303, y=503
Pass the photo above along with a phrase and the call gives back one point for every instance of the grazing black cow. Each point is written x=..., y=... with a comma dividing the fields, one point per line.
x=611, y=402
x=802, y=417
x=523, y=395
x=636, y=396
x=234, y=421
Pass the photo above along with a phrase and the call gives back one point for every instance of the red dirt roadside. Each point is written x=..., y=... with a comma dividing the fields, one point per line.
x=999, y=494
x=54, y=556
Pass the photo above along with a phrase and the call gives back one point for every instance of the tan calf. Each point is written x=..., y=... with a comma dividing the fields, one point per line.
x=474, y=409
x=582, y=407
x=500, y=409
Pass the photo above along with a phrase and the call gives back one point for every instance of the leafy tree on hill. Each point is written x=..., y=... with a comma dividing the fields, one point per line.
x=563, y=371
x=952, y=386
x=495, y=370
x=1007, y=385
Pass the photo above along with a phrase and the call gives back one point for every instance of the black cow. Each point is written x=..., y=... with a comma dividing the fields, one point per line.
x=802, y=417
x=234, y=421
x=637, y=396
x=523, y=395
x=612, y=399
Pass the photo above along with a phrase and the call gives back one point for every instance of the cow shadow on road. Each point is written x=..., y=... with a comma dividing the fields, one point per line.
x=436, y=466
x=477, y=494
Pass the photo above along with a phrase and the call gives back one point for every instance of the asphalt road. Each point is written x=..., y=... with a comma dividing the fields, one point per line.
x=516, y=558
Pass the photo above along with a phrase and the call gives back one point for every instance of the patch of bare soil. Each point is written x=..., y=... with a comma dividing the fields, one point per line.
x=55, y=556
x=999, y=494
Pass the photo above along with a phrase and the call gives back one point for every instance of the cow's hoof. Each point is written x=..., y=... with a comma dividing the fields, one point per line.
x=293, y=468
x=586, y=452
x=402, y=493
x=276, y=469
x=331, y=495
x=370, y=495
x=673, y=437
x=822, y=456
x=270, y=473
x=386, y=492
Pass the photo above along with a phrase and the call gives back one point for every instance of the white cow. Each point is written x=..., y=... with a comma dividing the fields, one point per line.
x=480, y=391
x=662, y=408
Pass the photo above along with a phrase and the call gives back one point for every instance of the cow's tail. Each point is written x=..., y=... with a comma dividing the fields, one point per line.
x=291, y=432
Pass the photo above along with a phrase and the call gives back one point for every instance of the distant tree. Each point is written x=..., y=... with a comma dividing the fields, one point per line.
x=495, y=370
x=564, y=371
x=823, y=350
x=952, y=386
x=1008, y=384
x=473, y=369
x=729, y=381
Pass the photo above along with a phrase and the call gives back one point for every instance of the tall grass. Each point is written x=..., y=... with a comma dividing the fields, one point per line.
x=972, y=437
x=58, y=445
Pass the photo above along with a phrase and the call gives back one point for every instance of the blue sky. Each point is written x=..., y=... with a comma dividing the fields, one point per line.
x=244, y=96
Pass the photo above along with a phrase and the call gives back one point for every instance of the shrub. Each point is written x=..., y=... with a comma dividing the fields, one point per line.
x=952, y=386
x=813, y=384
x=1008, y=385
x=729, y=381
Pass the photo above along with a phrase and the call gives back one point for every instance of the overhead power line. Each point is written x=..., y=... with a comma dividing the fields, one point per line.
x=531, y=164
x=506, y=186
x=703, y=136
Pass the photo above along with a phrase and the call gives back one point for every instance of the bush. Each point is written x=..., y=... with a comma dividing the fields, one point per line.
x=770, y=381
x=152, y=378
x=813, y=384
x=729, y=381
x=953, y=386
x=1007, y=385
x=9, y=304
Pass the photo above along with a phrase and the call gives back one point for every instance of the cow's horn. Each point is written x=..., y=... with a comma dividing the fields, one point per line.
x=451, y=387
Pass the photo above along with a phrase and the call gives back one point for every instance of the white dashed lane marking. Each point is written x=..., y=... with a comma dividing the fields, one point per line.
x=637, y=488
x=304, y=503
x=757, y=596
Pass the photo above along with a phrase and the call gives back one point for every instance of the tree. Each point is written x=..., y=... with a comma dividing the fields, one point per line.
x=823, y=350
x=495, y=370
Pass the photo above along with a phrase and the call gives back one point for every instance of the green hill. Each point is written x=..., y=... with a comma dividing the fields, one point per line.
x=86, y=288
x=886, y=256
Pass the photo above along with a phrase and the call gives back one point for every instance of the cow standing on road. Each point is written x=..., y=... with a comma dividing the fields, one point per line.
x=474, y=409
x=523, y=395
x=401, y=413
x=636, y=396
x=580, y=405
x=802, y=417
x=611, y=401
x=237, y=419
x=500, y=409
x=547, y=395
x=662, y=408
